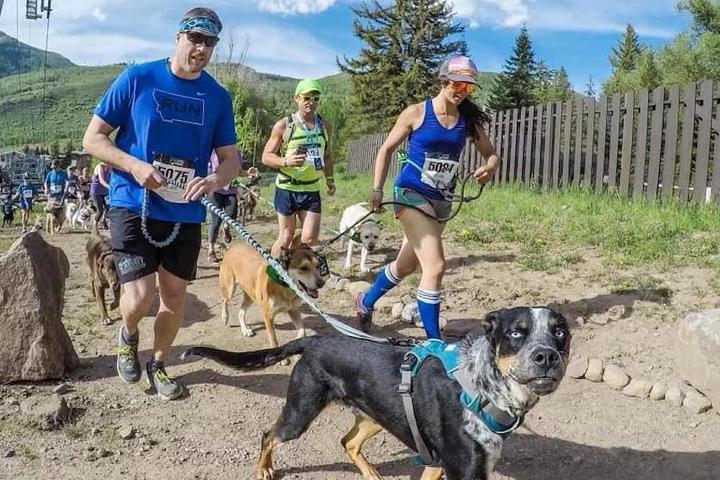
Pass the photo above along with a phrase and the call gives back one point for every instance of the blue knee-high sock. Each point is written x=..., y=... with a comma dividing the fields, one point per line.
x=429, y=307
x=384, y=282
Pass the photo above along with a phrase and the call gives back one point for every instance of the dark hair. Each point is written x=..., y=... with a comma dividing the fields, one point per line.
x=474, y=116
x=203, y=12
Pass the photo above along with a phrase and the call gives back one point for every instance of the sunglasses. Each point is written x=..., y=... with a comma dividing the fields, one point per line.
x=314, y=98
x=466, y=87
x=197, y=38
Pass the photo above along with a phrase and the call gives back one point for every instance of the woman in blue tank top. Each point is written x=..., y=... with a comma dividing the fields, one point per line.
x=437, y=129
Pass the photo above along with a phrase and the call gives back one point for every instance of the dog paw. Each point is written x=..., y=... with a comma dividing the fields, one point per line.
x=265, y=474
x=247, y=331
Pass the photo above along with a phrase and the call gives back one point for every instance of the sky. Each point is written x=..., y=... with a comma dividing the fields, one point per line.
x=303, y=38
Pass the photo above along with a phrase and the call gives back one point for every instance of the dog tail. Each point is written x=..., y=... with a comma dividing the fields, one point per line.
x=249, y=360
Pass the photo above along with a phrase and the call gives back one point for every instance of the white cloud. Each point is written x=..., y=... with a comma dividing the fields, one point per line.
x=649, y=17
x=98, y=14
x=295, y=6
x=505, y=13
x=286, y=51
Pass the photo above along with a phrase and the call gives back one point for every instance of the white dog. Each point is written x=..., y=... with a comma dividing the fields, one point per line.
x=366, y=234
x=83, y=216
x=71, y=209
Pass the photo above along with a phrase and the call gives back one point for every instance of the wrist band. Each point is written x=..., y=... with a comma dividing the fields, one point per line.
x=377, y=190
x=329, y=178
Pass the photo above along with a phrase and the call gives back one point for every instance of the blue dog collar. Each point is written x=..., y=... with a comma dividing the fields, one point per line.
x=205, y=25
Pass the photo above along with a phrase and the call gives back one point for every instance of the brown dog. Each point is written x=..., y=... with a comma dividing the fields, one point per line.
x=247, y=201
x=243, y=266
x=55, y=216
x=103, y=274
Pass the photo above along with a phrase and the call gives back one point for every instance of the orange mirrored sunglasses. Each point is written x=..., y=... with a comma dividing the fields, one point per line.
x=466, y=87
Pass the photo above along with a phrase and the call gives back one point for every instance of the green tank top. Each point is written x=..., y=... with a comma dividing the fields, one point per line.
x=313, y=141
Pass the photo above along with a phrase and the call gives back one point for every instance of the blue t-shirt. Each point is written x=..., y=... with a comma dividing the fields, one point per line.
x=26, y=194
x=158, y=113
x=56, y=182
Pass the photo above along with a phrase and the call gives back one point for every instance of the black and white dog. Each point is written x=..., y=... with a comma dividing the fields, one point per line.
x=521, y=356
x=366, y=234
x=8, y=213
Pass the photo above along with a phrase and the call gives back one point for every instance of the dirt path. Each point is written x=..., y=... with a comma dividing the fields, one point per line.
x=584, y=431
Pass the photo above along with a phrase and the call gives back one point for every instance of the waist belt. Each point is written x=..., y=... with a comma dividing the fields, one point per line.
x=285, y=178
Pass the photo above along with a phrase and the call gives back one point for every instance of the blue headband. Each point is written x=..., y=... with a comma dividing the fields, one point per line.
x=207, y=24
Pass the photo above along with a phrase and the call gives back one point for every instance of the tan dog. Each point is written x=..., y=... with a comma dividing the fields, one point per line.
x=103, y=274
x=243, y=266
x=55, y=216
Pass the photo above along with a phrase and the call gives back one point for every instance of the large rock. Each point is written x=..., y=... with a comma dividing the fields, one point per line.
x=698, y=352
x=33, y=342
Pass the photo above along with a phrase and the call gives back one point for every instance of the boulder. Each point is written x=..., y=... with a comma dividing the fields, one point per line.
x=615, y=377
x=49, y=412
x=594, y=371
x=697, y=353
x=34, y=344
x=638, y=387
x=577, y=367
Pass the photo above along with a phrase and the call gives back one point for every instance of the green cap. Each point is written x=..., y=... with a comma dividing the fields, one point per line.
x=308, y=85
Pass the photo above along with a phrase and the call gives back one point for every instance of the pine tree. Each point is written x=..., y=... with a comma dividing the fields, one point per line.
x=515, y=87
x=590, y=89
x=705, y=15
x=561, y=88
x=405, y=43
x=625, y=56
x=543, y=81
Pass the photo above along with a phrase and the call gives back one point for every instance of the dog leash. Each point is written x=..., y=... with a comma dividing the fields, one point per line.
x=292, y=284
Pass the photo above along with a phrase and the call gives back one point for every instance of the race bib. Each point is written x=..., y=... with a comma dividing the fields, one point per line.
x=440, y=170
x=54, y=189
x=313, y=157
x=178, y=173
x=27, y=194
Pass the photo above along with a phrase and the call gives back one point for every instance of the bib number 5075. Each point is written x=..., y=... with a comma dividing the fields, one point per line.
x=177, y=178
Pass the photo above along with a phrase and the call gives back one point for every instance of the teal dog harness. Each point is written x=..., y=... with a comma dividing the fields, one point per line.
x=498, y=421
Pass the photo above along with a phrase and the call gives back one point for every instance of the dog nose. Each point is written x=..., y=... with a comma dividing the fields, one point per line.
x=545, y=357
x=371, y=246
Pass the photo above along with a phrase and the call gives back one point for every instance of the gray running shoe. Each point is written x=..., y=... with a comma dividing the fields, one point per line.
x=167, y=387
x=128, y=365
x=364, y=315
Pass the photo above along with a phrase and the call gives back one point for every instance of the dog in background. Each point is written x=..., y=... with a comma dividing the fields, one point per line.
x=82, y=216
x=242, y=266
x=520, y=357
x=247, y=201
x=366, y=234
x=103, y=275
x=71, y=207
x=8, y=213
x=54, y=215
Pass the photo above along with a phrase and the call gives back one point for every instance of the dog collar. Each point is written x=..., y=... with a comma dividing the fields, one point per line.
x=274, y=276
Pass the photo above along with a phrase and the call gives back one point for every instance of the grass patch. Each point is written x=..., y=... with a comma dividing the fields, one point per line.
x=71, y=431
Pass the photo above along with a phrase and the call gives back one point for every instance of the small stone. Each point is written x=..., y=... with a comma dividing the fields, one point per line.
x=577, y=367
x=410, y=312
x=63, y=388
x=91, y=457
x=8, y=453
x=696, y=402
x=396, y=311
x=594, y=371
x=580, y=321
x=675, y=396
x=638, y=387
x=615, y=377
x=126, y=432
x=11, y=401
x=104, y=453
x=355, y=287
x=95, y=431
x=658, y=391
x=341, y=284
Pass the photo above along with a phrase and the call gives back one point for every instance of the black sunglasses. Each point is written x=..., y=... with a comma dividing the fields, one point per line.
x=198, y=38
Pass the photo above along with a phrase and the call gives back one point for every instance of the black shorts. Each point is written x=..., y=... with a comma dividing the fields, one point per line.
x=289, y=203
x=135, y=257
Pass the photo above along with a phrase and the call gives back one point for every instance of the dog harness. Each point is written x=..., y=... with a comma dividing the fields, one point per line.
x=498, y=421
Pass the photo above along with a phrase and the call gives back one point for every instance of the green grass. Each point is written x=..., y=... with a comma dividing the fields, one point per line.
x=554, y=229
x=71, y=431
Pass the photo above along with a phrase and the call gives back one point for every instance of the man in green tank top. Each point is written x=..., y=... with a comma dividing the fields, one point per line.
x=299, y=147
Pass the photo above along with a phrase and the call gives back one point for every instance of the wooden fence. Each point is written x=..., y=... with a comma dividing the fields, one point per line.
x=657, y=144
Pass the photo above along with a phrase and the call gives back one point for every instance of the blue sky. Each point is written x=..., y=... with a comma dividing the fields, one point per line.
x=302, y=38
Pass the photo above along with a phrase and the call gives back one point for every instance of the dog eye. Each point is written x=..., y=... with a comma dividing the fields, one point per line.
x=516, y=334
x=560, y=333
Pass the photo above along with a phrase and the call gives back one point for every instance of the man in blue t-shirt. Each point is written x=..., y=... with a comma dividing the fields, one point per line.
x=169, y=115
x=25, y=195
x=55, y=182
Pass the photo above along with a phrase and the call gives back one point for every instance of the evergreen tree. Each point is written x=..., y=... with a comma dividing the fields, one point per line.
x=516, y=86
x=561, y=88
x=68, y=149
x=55, y=149
x=405, y=43
x=625, y=55
x=590, y=89
x=705, y=13
x=543, y=81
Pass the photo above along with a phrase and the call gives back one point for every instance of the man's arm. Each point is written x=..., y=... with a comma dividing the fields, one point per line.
x=270, y=155
x=97, y=143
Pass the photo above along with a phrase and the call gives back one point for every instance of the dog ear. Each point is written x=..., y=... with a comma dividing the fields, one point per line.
x=490, y=321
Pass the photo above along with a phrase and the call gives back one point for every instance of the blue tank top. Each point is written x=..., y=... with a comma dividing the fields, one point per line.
x=433, y=157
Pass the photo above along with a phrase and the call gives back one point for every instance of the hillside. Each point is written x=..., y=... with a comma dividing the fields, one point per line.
x=22, y=58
